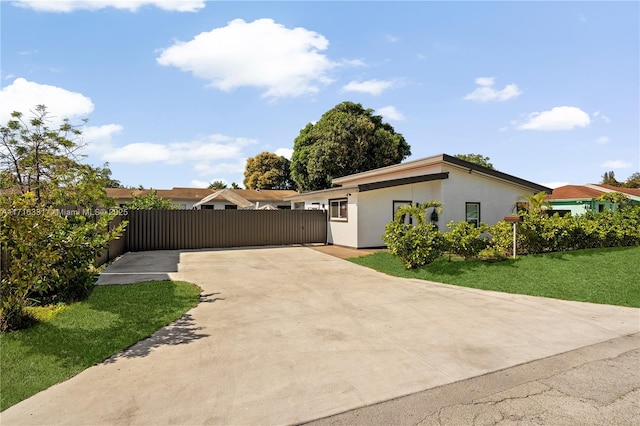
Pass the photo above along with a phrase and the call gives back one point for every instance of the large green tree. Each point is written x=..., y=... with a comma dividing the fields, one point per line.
x=347, y=139
x=267, y=171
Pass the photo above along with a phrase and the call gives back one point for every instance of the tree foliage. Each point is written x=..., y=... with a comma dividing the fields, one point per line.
x=267, y=171
x=533, y=203
x=477, y=159
x=347, y=139
x=50, y=229
x=217, y=184
x=609, y=178
x=149, y=201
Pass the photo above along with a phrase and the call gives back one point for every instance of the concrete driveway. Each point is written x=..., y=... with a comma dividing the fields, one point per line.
x=289, y=335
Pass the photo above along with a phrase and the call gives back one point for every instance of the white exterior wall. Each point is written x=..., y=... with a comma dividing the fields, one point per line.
x=376, y=208
x=496, y=198
x=345, y=233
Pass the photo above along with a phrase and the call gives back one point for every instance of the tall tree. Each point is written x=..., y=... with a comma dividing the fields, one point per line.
x=38, y=159
x=217, y=184
x=477, y=159
x=267, y=171
x=235, y=185
x=347, y=139
x=609, y=178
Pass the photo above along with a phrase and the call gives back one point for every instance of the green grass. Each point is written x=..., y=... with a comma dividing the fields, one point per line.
x=608, y=276
x=73, y=338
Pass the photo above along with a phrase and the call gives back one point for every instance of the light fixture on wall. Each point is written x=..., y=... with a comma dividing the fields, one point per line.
x=434, y=216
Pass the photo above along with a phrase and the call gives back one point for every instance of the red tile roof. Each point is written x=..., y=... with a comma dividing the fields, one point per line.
x=574, y=191
x=588, y=192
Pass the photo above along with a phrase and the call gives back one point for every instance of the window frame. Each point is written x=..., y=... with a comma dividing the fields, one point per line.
x=466, y=215
x=339, y=202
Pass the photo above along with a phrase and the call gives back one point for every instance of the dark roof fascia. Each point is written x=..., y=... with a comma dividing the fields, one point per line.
x=402, y=181
x=500, y=175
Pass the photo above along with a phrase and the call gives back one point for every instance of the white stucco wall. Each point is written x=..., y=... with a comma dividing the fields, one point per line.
x=376, y=208
x=345, y=233
x=496, y=198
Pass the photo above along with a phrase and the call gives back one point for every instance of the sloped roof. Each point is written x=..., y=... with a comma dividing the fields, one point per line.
x=629, y=191
x=570, y=192
x=228, y=195
x=197, y=194
x=414, y=171
x=589, y=192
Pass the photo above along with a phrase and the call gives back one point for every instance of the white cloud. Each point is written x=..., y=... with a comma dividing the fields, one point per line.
x=284, y=62
x=486, y=92
x=65, y=6
x=200, y=183
x=372, y=87
x=554, y=185
x=484, y=81
x=207, y=169
x=210, y=148
x=390, y=113
x=599, y=114
x=603, y=140
x=558, y=118
x=23, y=95
x=284, y=152
x=392, y=39
x=99, y=139
x=616, y=164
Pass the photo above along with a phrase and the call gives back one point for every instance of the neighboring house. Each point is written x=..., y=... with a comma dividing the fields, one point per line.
x=578, y=199
x=362, y=204
x=202, y=198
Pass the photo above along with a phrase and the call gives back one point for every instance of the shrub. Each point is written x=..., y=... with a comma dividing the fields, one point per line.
x=464, y=239
x=416, y=245
x=46, y=256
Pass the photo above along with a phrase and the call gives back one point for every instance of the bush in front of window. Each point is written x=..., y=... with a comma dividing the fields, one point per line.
x=465, y=239
x=416, y=245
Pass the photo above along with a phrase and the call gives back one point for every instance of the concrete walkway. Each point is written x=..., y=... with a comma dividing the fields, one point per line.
x=291, y=335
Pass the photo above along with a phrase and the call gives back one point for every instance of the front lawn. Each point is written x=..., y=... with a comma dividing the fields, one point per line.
x=85, y=333
x=609, y=276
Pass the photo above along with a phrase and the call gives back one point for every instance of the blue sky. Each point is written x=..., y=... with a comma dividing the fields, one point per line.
x=181, y=93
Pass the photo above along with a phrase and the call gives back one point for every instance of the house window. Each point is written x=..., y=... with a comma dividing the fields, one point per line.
x=396, y=205
x=230, y=207
x=472, y=213
x=206, y=207
x=298, y=206
x=338, y=209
